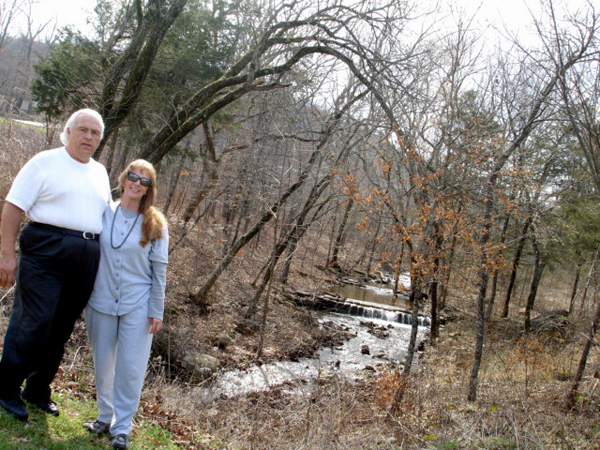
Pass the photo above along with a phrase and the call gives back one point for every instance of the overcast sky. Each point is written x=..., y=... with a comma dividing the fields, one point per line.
x=62, y=12
x=69, y=12
x=511, y=14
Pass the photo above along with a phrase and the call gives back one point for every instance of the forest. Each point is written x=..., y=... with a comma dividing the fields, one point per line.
x=300, y=143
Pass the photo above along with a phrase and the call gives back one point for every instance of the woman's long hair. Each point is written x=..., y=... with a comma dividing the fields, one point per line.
x=154, y=221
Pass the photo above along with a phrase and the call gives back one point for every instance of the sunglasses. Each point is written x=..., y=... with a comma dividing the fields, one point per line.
x=133, y=177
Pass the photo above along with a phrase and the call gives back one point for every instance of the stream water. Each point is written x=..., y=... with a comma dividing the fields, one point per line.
x=372, y=292
x=380, y=341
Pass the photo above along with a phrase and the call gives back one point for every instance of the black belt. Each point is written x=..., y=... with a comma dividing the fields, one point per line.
x=64, y=231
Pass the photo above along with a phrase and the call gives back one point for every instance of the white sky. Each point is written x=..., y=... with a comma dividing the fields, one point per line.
x=60, y=12
x=71, y=11
x=494, y=18
x=511, y=14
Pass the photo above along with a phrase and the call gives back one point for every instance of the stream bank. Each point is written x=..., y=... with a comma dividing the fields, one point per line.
x=377, y=334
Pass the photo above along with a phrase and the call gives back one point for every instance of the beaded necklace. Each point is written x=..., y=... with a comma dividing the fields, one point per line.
x=112, y=227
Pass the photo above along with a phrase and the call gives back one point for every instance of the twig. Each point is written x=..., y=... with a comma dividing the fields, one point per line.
x=75, y=358
x=7, y=292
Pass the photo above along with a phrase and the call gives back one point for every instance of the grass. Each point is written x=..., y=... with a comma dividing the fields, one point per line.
x=45, y=432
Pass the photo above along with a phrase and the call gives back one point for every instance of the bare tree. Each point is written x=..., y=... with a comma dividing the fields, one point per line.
x=33, y=30
x=270, y=210
x=293, y=32
x=565, y=50
x=580, y=92
x=9, y=10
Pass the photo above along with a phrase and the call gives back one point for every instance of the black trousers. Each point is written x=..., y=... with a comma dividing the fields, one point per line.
x=55, y=278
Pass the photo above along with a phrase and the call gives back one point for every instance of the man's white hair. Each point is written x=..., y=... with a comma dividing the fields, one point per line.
x=64, y=136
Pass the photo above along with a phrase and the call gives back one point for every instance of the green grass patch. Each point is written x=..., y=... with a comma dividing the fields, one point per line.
x=448, y=445
x=66, y=432
x=498, y=443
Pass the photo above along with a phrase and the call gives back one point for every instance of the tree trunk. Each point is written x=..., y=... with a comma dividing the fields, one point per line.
x=372, y=250
x=126, y=78
x=287, y=263
x=201, y=296
x=291, y=237
x=265, y=315
x=181, y=198
x=417, y=257
x=484, y=275
x=492, y=296
x=296, y=235
x=416, y=295
x=572, y=395
x=266, y=280
x=331, y=238
x=210, y=166
x=339, y=239
x=480, y=333
x=574, y=290
x=398, y=272
x=230, y=212
x=435, y=326
x=447, y=273
x=515, y=266
x=538, y=270
x=588, y=279
x=121, y=163
x=113, y=150
x=173, y=183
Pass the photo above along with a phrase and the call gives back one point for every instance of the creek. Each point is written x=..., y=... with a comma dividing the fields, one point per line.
x=381, y=331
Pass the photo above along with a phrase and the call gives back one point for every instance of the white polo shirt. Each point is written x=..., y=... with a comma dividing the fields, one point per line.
x=54, y=188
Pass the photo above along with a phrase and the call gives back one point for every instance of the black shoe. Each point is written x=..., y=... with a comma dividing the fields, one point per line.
x=120, y=441
x=48, y=406
x=15, y=408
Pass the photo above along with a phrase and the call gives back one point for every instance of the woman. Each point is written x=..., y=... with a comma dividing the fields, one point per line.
x=126, y=305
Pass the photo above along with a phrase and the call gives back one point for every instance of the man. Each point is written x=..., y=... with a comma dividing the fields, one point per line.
x=64, y=193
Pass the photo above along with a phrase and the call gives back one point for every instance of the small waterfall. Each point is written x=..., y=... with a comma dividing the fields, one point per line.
x=402, y=317
x=373, y=300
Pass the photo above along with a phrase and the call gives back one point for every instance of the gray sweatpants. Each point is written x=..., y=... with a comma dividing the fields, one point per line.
x=121, y=347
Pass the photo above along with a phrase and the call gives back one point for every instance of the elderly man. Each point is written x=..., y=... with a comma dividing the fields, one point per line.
x=64, y=193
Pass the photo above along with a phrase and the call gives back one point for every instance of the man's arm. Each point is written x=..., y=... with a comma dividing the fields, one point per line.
x=10, y=223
